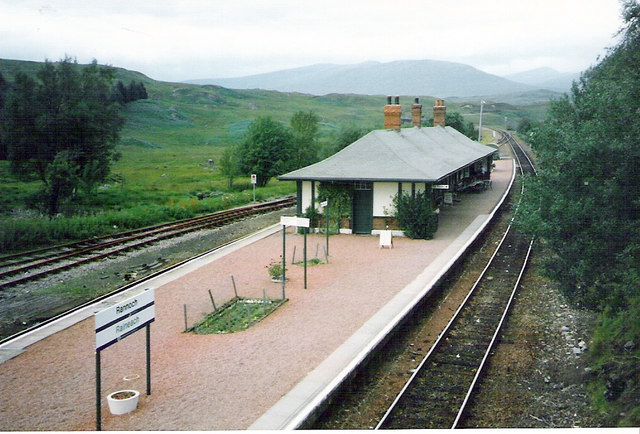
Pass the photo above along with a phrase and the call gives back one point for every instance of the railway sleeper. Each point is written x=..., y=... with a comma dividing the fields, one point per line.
x=471, y=362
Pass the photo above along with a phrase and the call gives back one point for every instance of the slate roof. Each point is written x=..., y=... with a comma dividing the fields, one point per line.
x=409, y=155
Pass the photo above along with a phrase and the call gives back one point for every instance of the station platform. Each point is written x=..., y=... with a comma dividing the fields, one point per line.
x=271, y=376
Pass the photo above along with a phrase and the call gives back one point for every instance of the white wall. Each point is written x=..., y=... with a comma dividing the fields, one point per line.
x=306, y=195
x=383, y=194
x=406, y=188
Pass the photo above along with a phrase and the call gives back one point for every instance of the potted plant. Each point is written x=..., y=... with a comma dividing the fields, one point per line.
x=276, y=271
x=123, y=401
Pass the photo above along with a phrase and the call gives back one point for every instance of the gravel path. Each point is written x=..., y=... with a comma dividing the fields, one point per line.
x=205, y=382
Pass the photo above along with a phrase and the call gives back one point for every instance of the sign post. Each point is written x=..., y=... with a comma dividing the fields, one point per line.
x=305, y=257
x=300, y=222
x=116, y=323
x=325, y=204
x=284, y=259
x=254, y=181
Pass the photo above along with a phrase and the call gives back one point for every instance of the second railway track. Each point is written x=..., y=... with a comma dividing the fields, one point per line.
x=437, y=393
x=18, y=269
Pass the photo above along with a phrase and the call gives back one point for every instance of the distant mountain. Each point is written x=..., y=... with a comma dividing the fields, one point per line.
x=404, y=77
x=545, y=78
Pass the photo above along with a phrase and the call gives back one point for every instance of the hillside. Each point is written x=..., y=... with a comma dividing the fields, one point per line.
x=545, y=78
x=168, y=139
x=406, y=77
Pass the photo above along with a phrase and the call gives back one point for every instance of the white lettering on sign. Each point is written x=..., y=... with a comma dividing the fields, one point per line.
x=123, y=318
x=119, y=330
x=300, y=222
x=441, y=187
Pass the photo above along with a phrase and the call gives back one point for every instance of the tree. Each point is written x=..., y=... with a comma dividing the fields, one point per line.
x=125, y=94
x=120, y=93
x=455, y=120
x=68, y=118
x=266, y=150
x=347, y=135
x=585, y=206
x=304, y=126
x=229, y=165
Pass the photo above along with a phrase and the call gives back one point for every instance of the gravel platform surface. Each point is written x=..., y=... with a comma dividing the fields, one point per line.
x=208, y=382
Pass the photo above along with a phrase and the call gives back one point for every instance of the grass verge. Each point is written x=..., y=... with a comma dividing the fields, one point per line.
x=237, y=315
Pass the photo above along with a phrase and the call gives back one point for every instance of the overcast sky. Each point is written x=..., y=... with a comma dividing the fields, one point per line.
x=179, y=40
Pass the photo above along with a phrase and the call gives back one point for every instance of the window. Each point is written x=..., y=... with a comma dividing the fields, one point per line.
x=362, y=185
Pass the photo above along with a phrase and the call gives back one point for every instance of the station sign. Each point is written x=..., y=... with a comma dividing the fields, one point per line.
x=300, y=222
x=124, y=318
x=440, y=187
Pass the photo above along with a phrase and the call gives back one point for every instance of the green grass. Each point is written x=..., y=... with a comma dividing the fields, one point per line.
x=166, y=144
x=238, y=315
x=311, y=262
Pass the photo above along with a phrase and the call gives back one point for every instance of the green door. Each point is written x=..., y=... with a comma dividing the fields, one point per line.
x=363, y=208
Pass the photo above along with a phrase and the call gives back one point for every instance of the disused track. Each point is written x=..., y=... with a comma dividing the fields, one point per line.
x=437, y=393
x=33, y=265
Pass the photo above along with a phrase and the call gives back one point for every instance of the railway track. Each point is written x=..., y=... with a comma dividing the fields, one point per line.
x=22, y=268
x=437, y=393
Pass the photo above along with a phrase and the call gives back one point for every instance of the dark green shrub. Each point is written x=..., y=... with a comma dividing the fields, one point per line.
x=313, y=215
x=415, y=215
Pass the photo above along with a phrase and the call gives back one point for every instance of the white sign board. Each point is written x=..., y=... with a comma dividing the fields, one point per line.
x=386, y=239
x=254, y=178
x=325, y=203
x=448, y=198
x=122, y=319
x=441, y=187
x=300, y=222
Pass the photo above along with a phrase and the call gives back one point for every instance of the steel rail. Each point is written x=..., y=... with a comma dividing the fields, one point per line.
x=493, y=340
x=152, y=236
x=442, y=334
x=112, y=293
x=506, y=138
x=27, y=256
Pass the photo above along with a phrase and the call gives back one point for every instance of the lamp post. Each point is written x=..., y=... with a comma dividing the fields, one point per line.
x=482, y=103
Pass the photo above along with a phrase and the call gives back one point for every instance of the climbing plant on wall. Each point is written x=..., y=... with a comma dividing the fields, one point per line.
x=340, y=197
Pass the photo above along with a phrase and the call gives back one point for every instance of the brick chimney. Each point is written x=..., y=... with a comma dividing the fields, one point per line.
x=439, y=113
x=416, y=113
x=393, y=114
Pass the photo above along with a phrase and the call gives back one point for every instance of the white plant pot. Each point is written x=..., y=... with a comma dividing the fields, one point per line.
x=123, y=406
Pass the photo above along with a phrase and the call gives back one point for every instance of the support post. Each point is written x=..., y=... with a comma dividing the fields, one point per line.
x=148, y=359
x=305, y=257
x=284, y=258
x=215, y=309
x=98, y=394
x=327, y=219
x=235, y=291
x=186, y=327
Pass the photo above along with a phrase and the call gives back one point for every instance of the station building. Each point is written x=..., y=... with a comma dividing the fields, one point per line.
x=394, y=160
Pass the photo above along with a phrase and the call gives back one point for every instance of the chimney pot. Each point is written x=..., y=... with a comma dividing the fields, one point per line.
x=392, y=115
x=416, y=113
x=439, y=113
